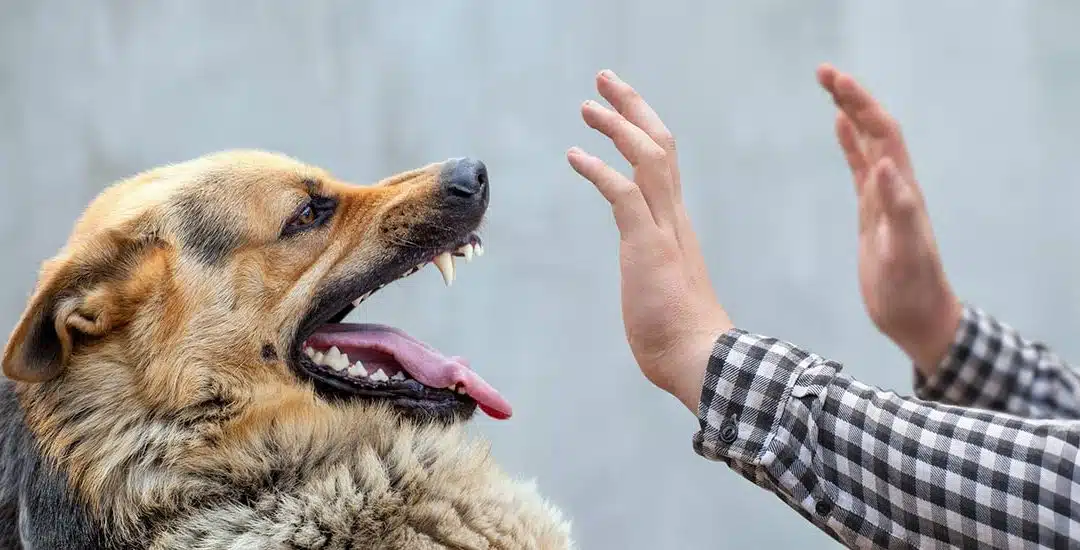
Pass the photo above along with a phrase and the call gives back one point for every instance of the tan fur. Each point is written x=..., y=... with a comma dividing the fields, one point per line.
x=161, y=408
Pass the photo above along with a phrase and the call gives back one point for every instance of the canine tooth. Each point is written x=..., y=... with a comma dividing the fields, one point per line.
x=399, y=376
x=379, y=376
x=478, y=249
x=309, y=351
x=318, y=358
x=461, y=390
x=357, y=369
x=445, y=263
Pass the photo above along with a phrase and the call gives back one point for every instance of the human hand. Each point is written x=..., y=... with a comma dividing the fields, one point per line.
x=903, y=284
x=670, y=312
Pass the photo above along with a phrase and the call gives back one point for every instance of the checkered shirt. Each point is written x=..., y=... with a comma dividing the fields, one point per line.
x=985, y=456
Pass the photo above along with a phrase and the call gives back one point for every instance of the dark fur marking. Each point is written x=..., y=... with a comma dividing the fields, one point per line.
x=75, y=443
x=427, y=459
x=9, y=515
x=215, y=409
x=32, y=486
x=78, y=416
x=269, y=353
x=42, y=349
x=213, y=405
x=203, y=231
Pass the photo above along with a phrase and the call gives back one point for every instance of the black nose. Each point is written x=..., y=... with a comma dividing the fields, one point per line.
x=465, y=179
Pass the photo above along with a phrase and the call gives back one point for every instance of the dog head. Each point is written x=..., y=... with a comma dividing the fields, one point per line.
x=235, y=269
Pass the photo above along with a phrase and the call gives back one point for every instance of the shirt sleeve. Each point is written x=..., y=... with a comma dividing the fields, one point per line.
x=991, y=366
x=877, y=470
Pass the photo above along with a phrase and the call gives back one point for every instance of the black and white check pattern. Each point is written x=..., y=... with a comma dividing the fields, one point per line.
x=878, y=470
x=992, y=367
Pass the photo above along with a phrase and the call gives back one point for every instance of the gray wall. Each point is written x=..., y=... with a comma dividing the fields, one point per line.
x=93, y=90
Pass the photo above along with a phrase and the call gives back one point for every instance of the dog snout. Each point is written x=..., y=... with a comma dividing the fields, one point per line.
x=464, y=179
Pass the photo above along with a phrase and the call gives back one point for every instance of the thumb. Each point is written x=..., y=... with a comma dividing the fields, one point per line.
x=895, y=194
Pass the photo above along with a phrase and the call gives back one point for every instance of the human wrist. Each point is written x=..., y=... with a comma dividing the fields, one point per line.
x=689, y=370
x=929, y=347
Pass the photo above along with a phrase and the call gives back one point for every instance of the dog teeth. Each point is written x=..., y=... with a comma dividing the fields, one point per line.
x=367, y=294
x=357, y=370
x=461, y=390
x=332, y=354
x=339, y=361
x=466, y=250
x=336, y=360
x=445, y=263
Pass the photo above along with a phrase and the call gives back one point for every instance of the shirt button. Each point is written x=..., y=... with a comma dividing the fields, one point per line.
x=822, y=508
x=729, y=431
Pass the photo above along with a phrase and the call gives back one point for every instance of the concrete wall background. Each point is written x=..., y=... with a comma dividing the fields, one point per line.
x=94, y=90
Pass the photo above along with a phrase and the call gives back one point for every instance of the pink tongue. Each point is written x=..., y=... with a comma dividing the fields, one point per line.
x=422, y=362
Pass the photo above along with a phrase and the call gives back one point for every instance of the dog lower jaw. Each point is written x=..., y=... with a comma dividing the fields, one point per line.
x=389, y=360
x=409, y=399
x=407, y=396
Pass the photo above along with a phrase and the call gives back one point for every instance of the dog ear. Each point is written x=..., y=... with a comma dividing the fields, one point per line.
x=81, y=296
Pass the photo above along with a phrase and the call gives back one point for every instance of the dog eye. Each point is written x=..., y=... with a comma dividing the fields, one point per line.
x=310, y=215
x=305, y=217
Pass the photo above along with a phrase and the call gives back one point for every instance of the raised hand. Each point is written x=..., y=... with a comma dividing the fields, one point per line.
x=670, y=311
x=903, y=284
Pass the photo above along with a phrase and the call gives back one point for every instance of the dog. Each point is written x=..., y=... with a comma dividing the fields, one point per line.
x=181, y=377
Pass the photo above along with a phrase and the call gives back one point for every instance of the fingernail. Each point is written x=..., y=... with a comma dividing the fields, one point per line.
x=608, y=74
x=575, y=151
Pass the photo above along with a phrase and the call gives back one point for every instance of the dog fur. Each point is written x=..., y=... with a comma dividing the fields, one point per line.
x=149, y=403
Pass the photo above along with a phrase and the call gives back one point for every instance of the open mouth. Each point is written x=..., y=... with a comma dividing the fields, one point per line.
x=371, y=361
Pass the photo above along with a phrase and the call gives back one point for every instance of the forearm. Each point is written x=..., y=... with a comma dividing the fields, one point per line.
x=991, y=366
x=875, y=469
